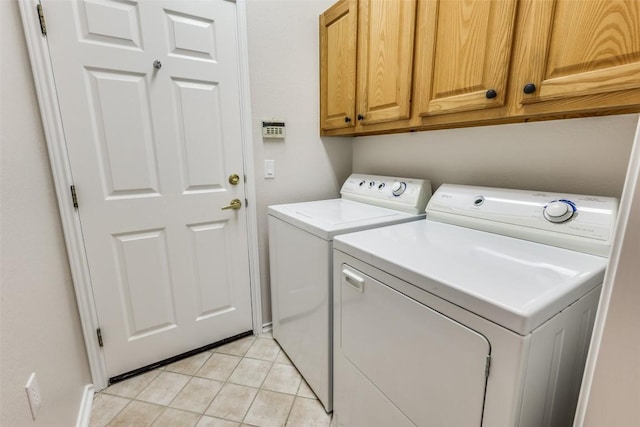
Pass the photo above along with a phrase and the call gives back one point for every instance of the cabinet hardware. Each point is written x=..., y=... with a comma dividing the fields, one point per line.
x=347, y=119
x=529, y=88
x=491, y=93
x=360, y=117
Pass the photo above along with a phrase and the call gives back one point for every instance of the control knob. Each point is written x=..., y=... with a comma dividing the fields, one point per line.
x=398, y=188
x=559, y=211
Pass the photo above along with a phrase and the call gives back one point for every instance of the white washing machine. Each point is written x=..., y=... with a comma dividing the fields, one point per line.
x=480, y=315
x=300, y=251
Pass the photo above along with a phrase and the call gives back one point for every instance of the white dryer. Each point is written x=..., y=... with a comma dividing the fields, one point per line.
x=480, y=315
x=300, y=252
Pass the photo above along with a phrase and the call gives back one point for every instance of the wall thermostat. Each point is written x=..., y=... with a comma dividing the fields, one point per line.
x=273, y=129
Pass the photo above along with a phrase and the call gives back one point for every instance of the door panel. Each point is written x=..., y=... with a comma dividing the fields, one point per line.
x=200, y=135
x=191, y=36
x=144, y=282
x=150, y=148
x=206, y=239
x=119, y=106
x=116, y=23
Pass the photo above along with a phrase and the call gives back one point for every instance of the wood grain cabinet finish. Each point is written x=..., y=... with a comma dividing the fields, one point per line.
x=579, y=55
x=485, y=62
x=380, y=92
x=385, y=60
x=338, y=35
x=463, y=49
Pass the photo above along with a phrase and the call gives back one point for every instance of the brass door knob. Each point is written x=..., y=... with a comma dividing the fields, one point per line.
x=234, y=179
x=234, y=204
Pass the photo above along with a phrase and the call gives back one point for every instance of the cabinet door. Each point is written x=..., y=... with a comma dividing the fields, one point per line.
x=580, y=48
x=338, y=28
x=463, y=49
x=385, y=59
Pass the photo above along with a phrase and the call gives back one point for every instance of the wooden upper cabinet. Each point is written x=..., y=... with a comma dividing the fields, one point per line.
x=385, y=60
x=338, y=30
x=463, y=52
x=580, y=49
x=400, y=65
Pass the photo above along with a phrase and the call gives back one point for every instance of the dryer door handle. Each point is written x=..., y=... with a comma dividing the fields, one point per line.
x=353, y=280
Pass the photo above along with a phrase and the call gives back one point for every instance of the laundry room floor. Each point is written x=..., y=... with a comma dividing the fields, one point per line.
x=248, y=382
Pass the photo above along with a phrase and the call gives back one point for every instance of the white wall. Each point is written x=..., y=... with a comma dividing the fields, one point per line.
x=587, y=156
x=283, y=62
x=611, y=391
x=39, y=323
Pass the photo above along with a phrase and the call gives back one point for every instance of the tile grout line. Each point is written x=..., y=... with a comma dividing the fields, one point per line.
x=185, y=385
x=202, y=414
x=261, y=383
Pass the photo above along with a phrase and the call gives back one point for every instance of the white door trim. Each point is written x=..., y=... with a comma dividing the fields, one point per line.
x=38, y=48
x=250, y=184
x=629, y=192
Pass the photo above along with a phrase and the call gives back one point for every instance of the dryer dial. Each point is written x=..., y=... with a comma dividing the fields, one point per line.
x=559, y=211
x=398, y=188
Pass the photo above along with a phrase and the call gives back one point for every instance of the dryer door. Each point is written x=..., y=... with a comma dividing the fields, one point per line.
x=430, y=367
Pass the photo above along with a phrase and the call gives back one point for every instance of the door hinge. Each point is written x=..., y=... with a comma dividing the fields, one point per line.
x=487, y=366
x=99, y=332
x=43, y=24
x=74, y=196
x=246, y=203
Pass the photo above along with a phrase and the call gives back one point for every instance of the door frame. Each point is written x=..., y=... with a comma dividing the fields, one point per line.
x=42, y=69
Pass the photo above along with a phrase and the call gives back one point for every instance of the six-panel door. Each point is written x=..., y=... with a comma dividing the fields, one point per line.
x=149, y=98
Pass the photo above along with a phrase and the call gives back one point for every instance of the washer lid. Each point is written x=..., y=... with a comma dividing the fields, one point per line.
x=328, y=218
x=515, y=283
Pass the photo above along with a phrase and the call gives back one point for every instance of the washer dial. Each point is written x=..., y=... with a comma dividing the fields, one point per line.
x=559, y=211
x=398, y=188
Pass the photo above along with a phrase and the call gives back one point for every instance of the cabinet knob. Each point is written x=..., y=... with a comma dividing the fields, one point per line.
x=347, y=119
x=491, y=93
x=360, y=117
x=529, y=88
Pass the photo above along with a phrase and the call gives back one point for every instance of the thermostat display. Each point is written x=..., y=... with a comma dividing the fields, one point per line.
x=273, y=129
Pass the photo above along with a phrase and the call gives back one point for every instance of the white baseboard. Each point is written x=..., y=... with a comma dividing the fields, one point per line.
x=84, y=414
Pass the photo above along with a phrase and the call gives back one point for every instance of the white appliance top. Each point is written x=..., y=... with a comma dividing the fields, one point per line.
x=328, y=218
x=571, y=221
x=367, y=201
x=488, y=257
x=512, y=282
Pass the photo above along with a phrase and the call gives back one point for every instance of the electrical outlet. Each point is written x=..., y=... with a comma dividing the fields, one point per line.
x=33, y=395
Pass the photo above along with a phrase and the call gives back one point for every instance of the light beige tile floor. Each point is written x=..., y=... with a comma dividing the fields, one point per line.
x=249, y=382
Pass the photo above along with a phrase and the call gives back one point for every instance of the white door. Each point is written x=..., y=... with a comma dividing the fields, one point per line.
x=149, y=95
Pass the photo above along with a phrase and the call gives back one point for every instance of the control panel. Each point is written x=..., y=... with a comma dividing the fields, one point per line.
x=579, y=222
x=404, y=194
